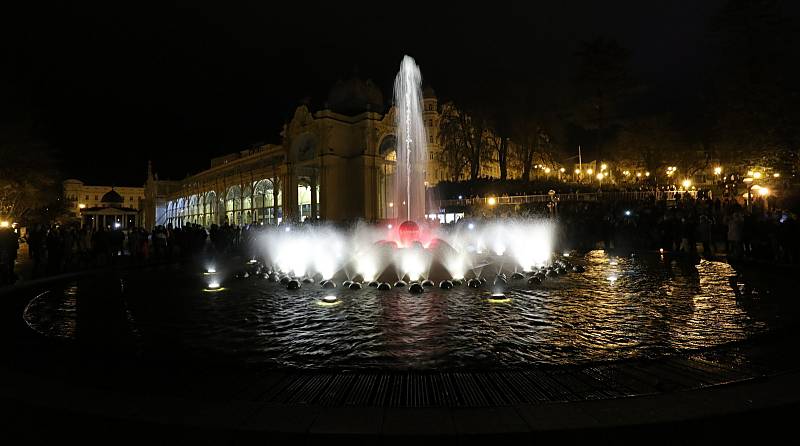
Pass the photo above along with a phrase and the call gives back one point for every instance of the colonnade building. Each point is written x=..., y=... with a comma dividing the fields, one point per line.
x=334, y=163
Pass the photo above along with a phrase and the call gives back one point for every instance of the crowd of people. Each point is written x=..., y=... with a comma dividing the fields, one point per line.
x=689, y=224
x=694, y=224
x=58, y=249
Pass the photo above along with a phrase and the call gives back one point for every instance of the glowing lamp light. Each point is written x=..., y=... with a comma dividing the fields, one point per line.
x=603, y=167
x=600, y=176
x=612, y=278
x=329, y=299
x=81, y=206
x=288, y=229
x=661, y=250
x=577, y=171
x=647, y=174
x=686, y=183
x=748, y=180
x=391, y=204
x=460, y=197
x=757, y=175
x=546, y=170
x=117, y=225
x=627, y=213
x=4, y=224
x=562, y=170
x=492, y=201
x=776, y=175
x=639, y=174
x=749, y=173
x=471, y=226
x=626, y=172
x=566, y=254
x=213, y=285
x=717, y=170
x=389, y=226
x=211, y=270
x=589, y=171
x=763, y=191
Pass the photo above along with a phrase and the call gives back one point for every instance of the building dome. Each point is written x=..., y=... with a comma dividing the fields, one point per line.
x=428, y=92
x=354, y=96
x=112, y=198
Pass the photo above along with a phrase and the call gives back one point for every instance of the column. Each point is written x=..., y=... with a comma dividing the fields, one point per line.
x=289, y=195
x=313, y=182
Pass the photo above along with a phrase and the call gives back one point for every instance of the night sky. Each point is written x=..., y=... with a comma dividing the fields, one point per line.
x=114, y=84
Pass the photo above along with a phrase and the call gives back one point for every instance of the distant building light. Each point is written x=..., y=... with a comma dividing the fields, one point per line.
x=81, y=206
x=492, y=201
x=776, y=175
x=4, y=224
x=757, y=175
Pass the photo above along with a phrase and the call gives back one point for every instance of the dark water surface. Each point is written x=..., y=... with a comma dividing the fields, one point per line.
x=653, y=307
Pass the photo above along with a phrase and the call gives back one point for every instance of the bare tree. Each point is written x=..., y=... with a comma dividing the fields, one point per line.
x=464, y=141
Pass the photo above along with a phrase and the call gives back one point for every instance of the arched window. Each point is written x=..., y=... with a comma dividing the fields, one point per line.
x=233, y=205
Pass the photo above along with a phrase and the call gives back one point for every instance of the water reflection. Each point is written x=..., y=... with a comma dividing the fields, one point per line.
x=654, y=306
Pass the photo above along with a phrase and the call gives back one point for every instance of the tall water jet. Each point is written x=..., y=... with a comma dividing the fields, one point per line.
x=411, y=141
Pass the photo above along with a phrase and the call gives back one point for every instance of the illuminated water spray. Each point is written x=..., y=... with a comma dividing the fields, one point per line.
x=412, y=149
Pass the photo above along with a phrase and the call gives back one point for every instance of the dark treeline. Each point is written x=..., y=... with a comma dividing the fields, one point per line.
x=740, y=107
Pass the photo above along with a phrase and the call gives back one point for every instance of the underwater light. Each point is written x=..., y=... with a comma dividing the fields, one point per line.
x=213, y=287
x=329, y=301
x=498, y=298
x=211, y=270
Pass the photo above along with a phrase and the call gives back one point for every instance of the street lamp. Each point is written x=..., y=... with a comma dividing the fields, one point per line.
x=492, y=201
x=757, y=175
x=717, y=170
x=686, y=183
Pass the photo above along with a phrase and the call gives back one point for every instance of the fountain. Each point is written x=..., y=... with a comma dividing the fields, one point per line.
x=412, y=151
x=412, y=255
